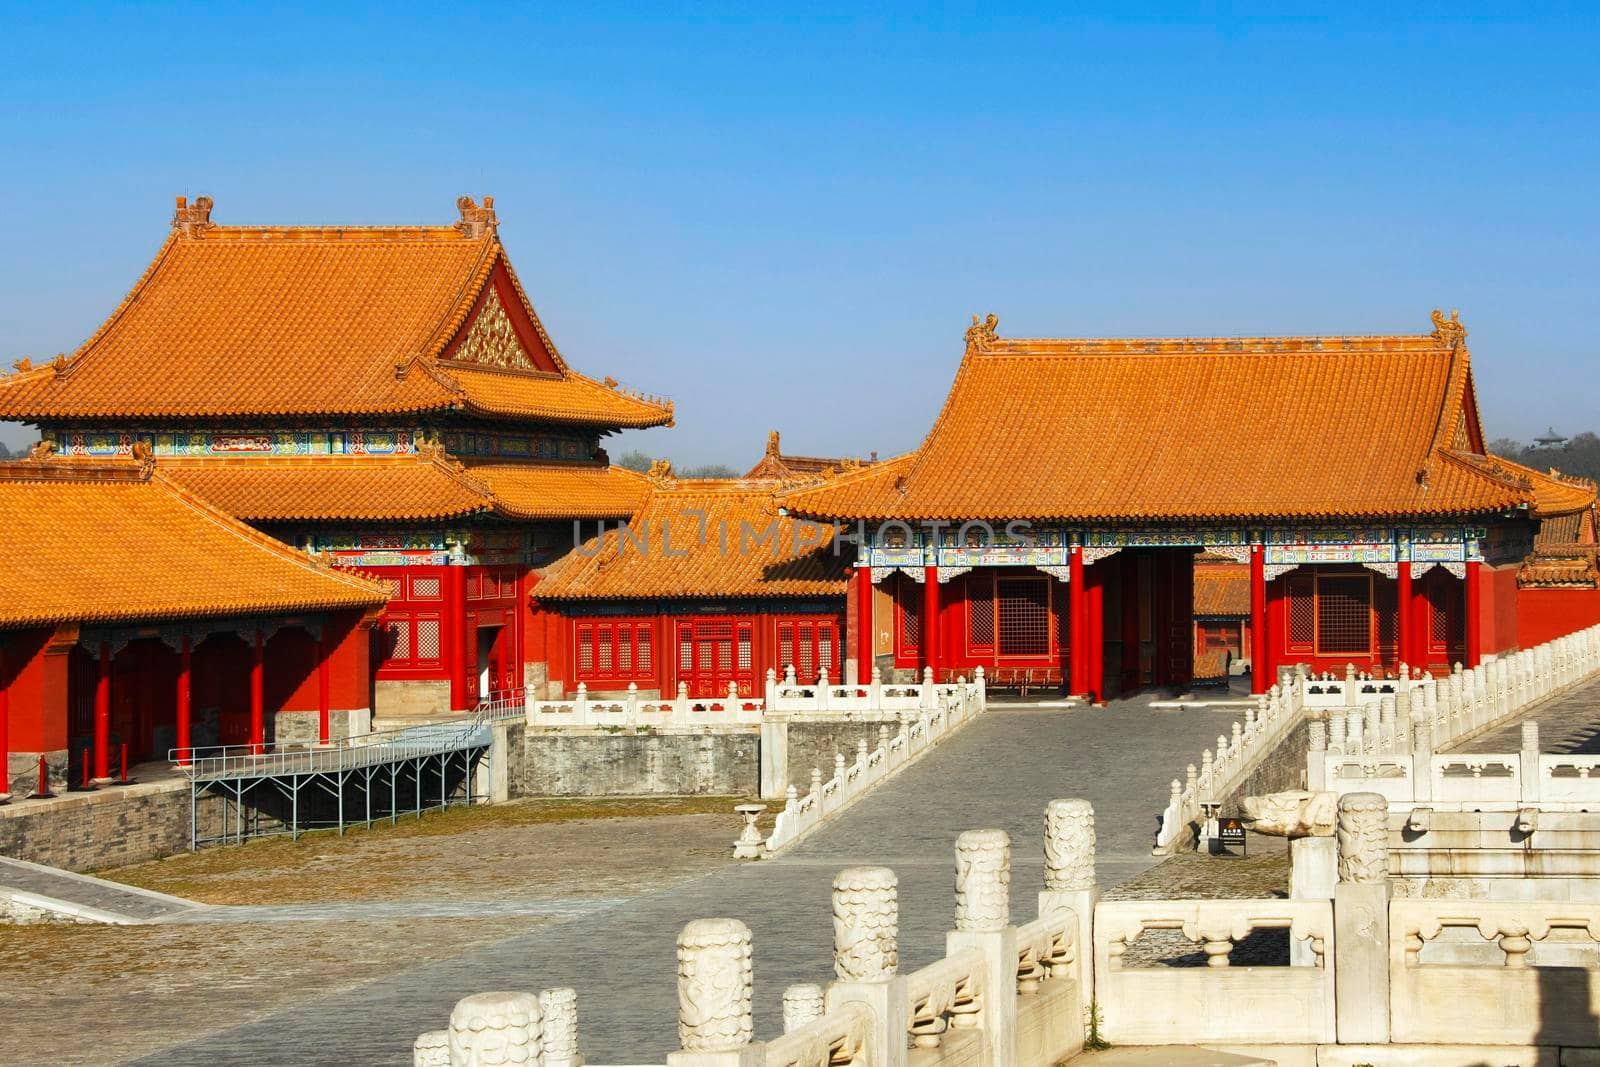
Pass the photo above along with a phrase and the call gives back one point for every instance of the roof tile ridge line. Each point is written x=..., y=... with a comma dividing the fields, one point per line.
x=466, y=299
x=245, y=532
x=392, y=230
x=456, y=471
x=1457, y=374
x=128, y=301
x=665, y=404
x=881, y=469
x=1421, y=338
x=1483, y=467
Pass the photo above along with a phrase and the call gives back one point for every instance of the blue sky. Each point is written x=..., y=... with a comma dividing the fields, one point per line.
x=786, y=222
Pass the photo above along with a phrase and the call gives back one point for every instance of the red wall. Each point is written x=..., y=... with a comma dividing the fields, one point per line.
x=1498, y=612
x=1545, y=614
x=36, y=678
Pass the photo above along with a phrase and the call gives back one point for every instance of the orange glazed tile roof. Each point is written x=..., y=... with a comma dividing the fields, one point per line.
x=774, y=464
x=233, y=321
x=328, y=488
x=561, y=490
x=1199, y=429
x=1222, y=589
x=116, y=541
x=691, y=531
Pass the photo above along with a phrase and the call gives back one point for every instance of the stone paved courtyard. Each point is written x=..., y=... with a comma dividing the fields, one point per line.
x=620, y=956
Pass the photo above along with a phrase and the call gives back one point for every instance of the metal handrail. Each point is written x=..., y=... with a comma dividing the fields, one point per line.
x=349, y=753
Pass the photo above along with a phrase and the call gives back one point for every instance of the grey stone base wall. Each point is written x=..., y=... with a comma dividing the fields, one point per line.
x=571, y=763
x=300, y=727
x=410, y=699
x=1283, y=768
x=812, y=744
x=109, y=828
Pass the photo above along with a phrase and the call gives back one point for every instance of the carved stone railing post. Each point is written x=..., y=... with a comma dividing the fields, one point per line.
x=774, y=754
x=802, y=1005
x=983, y=921
x=1069, y=880
x=1316, y=755
x=1528, y=757
x=488, y=1029
x=1361, y=920
x=559, y=1036
x=715, y=1023
x=431, y=1049
x=866, y=957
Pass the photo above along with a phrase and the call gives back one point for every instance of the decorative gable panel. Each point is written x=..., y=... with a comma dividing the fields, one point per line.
x=492, y=339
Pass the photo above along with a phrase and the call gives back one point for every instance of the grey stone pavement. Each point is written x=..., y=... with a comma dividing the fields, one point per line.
x=127, y=902
x=1568, y=724
x=999, y=771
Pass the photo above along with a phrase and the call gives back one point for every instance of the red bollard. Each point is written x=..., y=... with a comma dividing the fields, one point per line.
x=87, y=782
x=43, y=791
x=124, y=778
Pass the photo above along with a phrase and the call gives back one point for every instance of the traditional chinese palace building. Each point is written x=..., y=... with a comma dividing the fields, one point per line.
x=708, y=586
x=386, y=397
x=1348, y=473
x=164, y=623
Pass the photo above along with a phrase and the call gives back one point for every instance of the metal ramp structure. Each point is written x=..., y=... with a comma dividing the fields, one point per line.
x=354, y=781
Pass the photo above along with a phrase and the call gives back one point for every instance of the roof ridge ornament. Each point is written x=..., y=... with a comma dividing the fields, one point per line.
x=661, y=472
x=983, y=334
x=477, y=221
x=772, y=443
x=1448, y=332
x=194, y=219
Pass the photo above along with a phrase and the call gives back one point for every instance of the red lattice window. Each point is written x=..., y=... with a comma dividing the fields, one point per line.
x=712, y=653
x=1447, y=620
x=399, y=631
x=907, y=608
x=1344, y=614
x=427, y=638
x=808, y=645
x=424, y=589
x=1302, y=604
x=412, y=642
x=1023, y=616
x=614, y=650
x=980, y=611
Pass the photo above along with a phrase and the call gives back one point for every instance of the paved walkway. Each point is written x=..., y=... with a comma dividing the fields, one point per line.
x=91, y=897
x=1568, y=724
x=999, y=771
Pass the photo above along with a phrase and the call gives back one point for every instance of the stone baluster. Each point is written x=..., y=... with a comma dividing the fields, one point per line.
x=788, y=675
x=1515, y=942
x=866, y=956
x=559, y=1028
x=1264, y=711
x=1351, y=685
x=1386, y=724
x=1191, y=783
x=824, y=698
x=580, y=704
x=802, y=1006
x=1069, y=877
x=875, y=689
x=770, y=689
x=1316, y=755
x=1355, y=743
x=1361, y=920
x=715, y=1023
x=1403, y=703
x=1220, y=767
x=1528, y=764
x=495, y=1028
x=983, y=921
x=925, y=698
x=1236, y=747
x=680, y=705
x=1336, y=741
x=1422, y=762
x=1207, y=784
x=839, y=770
x=861, y=754
x=431, y=1049
x=1372, y=729
x=980, y=684
x=630, y=705
x=816, y=784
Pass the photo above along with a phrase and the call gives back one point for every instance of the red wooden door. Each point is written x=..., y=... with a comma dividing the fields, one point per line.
x=713, y=653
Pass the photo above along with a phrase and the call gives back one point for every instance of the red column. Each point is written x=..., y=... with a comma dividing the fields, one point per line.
x=1260, y=679
x=863, y=624
x=455, y=606
x=102, y=716
x=930, y=619
x=258, y=726
x=323, y=728
x=1276, y=633
x=5, y=727
x=1474, y=609
x=185, y=727
x=1420, y=624
x=1094, y=613
x=1077, y=617
x=1405, y=638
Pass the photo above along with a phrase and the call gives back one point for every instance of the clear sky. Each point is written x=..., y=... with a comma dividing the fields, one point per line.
x=786, y=222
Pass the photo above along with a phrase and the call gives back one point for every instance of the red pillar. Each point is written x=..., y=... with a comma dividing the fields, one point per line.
x=455, y=587
x=258, y=722
x=1405, y=637
x=1094, y=613
x=1277, y=632
x=863, y=624
x=102, y=715
x=930, y=619
x=1260, y=677
x=323, y=729
x=1421, y=620
x=185, y=726
x=1130, y=620
x=1474, y=609
x=1077, y=617
x=5, y=727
